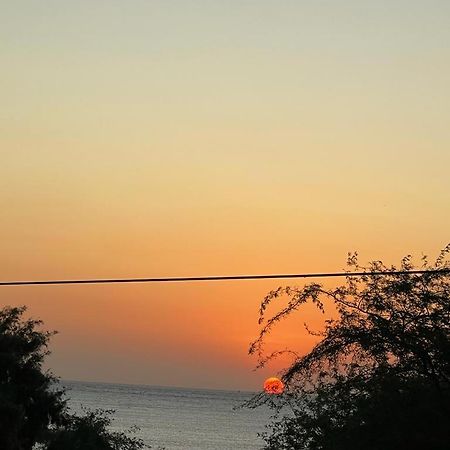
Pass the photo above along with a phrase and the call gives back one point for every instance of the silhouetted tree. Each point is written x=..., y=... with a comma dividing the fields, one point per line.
x=33, y=409
x=28, y=401
x=379, y=378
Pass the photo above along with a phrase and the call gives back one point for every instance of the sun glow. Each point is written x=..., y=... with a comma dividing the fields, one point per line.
x=273, y=385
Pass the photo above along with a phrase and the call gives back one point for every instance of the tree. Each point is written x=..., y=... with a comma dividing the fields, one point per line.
x=33, y=408
x=379, y=378
x=28, y=403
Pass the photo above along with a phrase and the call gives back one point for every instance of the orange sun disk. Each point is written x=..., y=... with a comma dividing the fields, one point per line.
x=273, y=385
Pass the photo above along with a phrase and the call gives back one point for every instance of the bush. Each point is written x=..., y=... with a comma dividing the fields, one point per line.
x=90, y=432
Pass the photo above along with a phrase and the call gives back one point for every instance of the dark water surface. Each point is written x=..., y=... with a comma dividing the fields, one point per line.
x=176, y=418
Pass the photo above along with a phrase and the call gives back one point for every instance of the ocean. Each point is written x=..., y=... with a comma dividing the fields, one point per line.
x=176, y=418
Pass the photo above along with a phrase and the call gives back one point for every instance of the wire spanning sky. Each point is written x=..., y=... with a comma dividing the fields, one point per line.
x=283, y=276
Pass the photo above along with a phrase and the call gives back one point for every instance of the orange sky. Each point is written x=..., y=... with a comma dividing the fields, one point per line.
x=156, y=139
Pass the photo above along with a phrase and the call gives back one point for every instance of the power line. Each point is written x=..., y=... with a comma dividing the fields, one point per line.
x=221, y=278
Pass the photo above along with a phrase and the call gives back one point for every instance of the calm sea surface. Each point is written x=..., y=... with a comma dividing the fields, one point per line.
x=176, y=418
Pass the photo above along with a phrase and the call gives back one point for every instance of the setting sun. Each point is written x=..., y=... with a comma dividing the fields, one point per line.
x=273, y=385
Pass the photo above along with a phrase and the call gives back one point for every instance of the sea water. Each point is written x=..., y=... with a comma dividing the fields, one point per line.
x=176, y=418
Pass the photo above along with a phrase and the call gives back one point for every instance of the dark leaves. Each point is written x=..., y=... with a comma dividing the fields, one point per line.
x=386, y=358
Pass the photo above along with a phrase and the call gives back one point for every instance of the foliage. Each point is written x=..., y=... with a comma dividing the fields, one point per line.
x=379, y=378
x=33, y=409
x=90, y=432
x=28, y=403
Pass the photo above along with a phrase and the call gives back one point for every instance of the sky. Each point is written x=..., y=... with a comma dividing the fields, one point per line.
x=185, y=138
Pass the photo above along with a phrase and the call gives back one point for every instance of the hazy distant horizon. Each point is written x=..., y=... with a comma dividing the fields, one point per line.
x=195, y=388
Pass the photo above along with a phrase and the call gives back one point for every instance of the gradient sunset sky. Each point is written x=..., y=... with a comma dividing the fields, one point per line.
x=178, y=138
